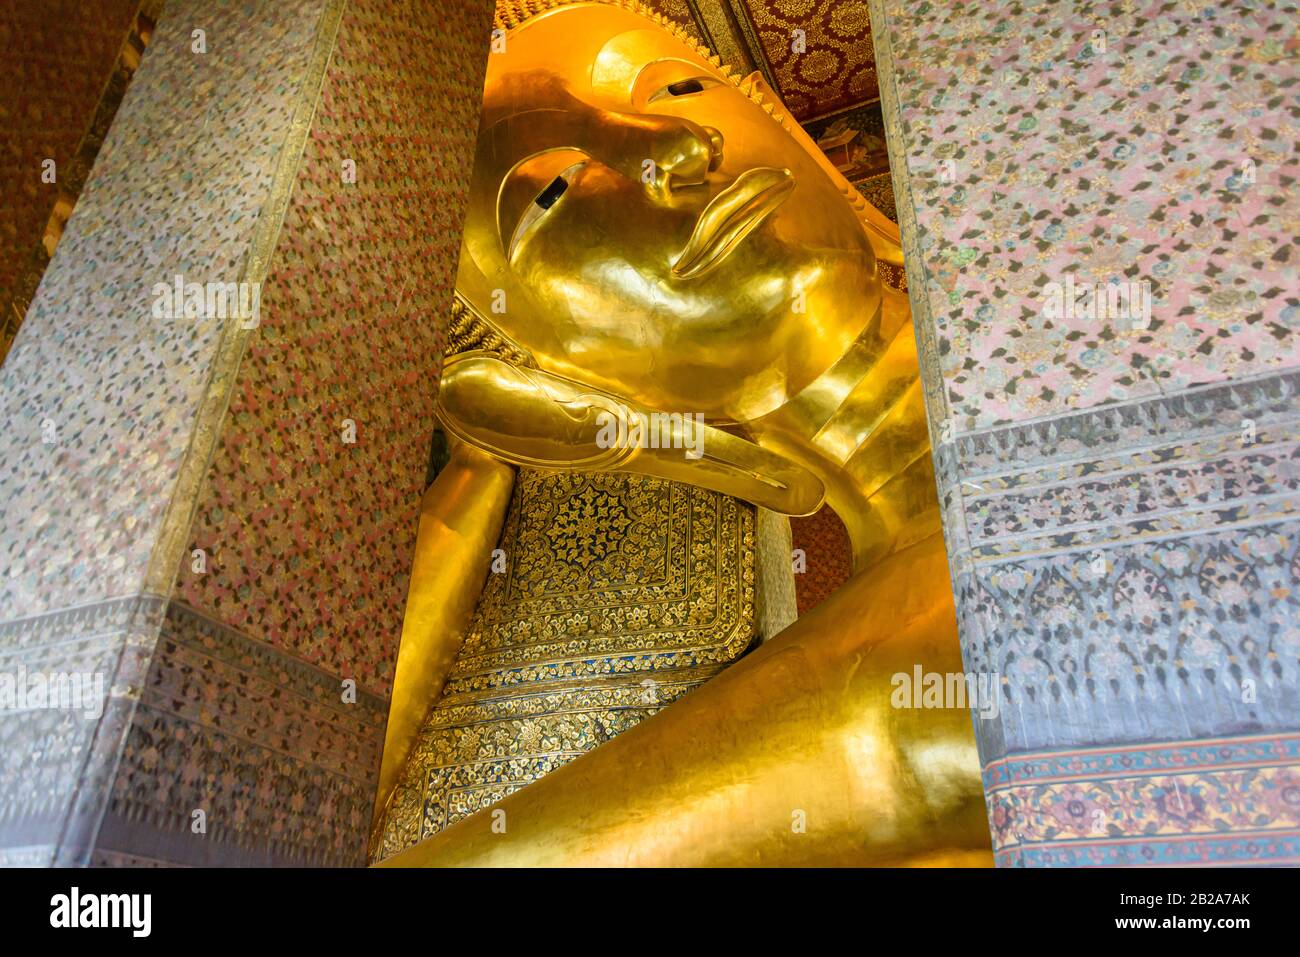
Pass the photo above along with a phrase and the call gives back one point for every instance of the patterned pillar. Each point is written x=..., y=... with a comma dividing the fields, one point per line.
x=1119, y=489
x=216, y=517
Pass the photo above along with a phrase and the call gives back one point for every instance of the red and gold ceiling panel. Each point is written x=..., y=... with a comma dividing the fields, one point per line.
x=836, y=69
x=817, y=53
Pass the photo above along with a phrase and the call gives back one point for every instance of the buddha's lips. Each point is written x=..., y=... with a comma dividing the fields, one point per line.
x=731, y=216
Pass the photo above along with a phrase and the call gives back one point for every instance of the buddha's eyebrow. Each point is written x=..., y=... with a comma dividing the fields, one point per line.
x=523, y=134
x=526, y=120
x=656, y=61
x=532, y=131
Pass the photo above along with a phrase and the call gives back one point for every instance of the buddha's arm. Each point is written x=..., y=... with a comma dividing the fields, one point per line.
x=794, y=755
x=460, y=522
x=529, y=417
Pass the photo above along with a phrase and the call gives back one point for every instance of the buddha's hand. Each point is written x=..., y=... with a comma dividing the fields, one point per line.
x=533, y=418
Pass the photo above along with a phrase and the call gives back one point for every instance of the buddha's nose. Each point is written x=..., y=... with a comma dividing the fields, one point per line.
x=681, y=153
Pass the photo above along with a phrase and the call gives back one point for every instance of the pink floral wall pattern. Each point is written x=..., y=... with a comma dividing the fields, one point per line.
x=1111, y=142
x=1119, y=485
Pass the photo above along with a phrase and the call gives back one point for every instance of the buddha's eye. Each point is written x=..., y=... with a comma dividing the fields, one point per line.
x=687, y=87
x=542, y=204
x=547, y=197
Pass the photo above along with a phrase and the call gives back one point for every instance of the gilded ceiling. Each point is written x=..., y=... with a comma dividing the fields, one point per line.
x=817, y=53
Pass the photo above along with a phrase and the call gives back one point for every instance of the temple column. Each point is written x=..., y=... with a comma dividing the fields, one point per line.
x=212, y=519
x=1118, y=484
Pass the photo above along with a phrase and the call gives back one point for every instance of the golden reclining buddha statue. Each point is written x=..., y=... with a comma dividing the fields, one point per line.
x=649, y=239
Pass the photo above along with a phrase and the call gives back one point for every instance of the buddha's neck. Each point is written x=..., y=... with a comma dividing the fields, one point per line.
x=860, y=427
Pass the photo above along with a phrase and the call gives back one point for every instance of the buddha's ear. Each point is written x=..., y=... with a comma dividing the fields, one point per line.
x=886, y=241
x=528, y=417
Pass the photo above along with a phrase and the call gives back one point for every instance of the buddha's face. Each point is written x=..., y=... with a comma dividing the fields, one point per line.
x=640, y=224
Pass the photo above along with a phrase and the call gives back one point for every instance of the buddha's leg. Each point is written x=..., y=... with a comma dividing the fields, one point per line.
x=794, y=755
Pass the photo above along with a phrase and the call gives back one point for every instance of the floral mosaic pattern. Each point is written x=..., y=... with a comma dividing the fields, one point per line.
x=265, y=744
x=833, y=71
x=825, y=546
x=55, y=763
x=1159, y=804
x=287, y=513
x=1187, y=638
x=835, y=68
x=118, y=388
x=1132, y=572
x=569, y=648
x=674, y=589
x=310, y=537
x=102, y=398
x=1119, y=499
x=1119, y=141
